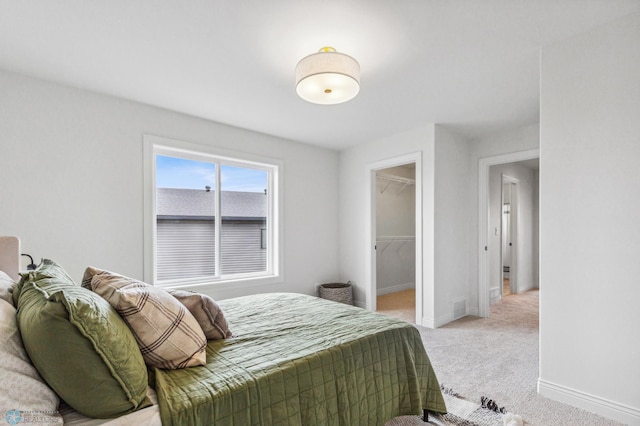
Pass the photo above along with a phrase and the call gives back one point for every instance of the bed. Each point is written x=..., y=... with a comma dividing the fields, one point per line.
x=293, y=359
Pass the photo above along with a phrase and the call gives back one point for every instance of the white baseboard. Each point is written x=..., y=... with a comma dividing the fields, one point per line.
x=474, y=311
x=444, y=319
x=395, y=288
x=436, y=322
x=494, y=294
x=428, y=322
x=604, y=407
x=525, y=288
x=360, y=304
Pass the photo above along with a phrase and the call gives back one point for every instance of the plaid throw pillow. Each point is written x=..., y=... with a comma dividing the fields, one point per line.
x=168, y=335
x=206, y=311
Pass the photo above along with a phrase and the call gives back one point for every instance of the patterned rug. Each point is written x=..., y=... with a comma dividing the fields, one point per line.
x=462, y=413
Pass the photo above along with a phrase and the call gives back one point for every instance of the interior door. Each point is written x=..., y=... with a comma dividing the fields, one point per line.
x=508, y=236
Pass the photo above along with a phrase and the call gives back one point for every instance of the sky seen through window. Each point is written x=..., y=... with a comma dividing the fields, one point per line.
x=174, y=172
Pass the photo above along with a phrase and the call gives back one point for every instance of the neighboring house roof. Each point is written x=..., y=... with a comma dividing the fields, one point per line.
x=199, y=203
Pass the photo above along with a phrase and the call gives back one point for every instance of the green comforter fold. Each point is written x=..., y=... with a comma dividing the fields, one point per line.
x=300, y=360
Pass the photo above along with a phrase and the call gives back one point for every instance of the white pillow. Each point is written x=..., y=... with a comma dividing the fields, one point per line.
x=6, y=285
x=22, y=391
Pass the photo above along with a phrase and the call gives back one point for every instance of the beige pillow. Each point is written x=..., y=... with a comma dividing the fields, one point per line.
x=21, y=387
x=6, y=287
x=206, y=311
x=168, y=335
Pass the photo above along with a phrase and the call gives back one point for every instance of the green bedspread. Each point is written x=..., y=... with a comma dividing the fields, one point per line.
x=301, y=360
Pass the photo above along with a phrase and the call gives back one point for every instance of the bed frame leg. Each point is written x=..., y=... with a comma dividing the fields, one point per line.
x=425, y=415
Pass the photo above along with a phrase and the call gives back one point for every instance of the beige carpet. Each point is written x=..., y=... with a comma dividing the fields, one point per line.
x=497, y=357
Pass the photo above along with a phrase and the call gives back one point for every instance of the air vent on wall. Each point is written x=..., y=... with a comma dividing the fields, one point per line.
x=459, y=308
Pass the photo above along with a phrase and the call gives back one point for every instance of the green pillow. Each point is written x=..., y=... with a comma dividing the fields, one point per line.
x=80, y=345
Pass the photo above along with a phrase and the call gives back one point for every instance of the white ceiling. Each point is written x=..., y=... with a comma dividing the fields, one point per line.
x=469, y=64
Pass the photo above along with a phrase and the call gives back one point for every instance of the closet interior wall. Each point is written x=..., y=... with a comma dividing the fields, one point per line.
x=395, y=229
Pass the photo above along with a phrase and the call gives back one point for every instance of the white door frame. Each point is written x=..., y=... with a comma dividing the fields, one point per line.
x=370, y=223
x=513, y=233
x=483, y=219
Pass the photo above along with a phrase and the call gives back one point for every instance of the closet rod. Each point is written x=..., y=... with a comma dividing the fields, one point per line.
x=395, y=238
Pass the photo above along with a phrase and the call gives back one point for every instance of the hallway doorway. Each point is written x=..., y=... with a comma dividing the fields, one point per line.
x=508, y=256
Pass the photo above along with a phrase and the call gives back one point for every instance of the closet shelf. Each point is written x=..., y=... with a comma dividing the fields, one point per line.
x=389, y=179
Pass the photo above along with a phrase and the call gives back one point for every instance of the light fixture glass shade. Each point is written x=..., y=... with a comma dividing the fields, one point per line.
x=327, y=77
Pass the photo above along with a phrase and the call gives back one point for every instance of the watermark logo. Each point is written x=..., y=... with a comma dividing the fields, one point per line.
x=13, y=417
x=26, y=417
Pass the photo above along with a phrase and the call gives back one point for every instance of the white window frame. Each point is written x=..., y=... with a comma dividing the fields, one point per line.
x=156, y=145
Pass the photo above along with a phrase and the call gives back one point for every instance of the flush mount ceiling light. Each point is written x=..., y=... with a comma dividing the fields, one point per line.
x=327, y=77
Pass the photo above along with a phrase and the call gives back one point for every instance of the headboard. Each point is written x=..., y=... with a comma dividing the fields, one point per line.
x=10, y=256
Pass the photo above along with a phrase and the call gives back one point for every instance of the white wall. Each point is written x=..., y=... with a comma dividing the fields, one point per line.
x=445, y=216
x=71, y=181
x=589, y=212
x=509, y=141
x=536, y=229
x=356, y=247
x=395, y=265
x=452, y=222
x=526, y=239
x=396, y=204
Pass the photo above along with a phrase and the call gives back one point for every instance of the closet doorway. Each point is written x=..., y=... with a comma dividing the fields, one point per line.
x=395, y=241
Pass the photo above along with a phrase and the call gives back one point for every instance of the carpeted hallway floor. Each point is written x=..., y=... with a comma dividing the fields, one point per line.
x=497, y=357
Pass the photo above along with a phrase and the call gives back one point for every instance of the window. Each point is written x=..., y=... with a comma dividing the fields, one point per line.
x=208, y=217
